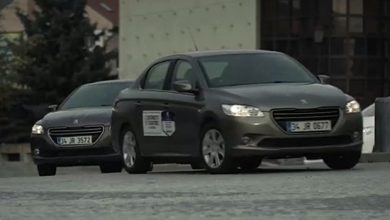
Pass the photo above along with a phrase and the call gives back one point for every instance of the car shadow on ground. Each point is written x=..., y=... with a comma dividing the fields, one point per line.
x=263, y=169
x=257, y=171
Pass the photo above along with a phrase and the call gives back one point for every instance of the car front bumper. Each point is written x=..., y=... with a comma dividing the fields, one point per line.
x=77, y=160
x=263, y=137
x=45, y=151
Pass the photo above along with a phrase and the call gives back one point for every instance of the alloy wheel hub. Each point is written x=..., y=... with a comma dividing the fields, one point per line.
x=213, y=148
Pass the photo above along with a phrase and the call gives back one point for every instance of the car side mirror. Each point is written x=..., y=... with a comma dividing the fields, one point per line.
x=324, y=79
x=184, y=86
x=53, y=108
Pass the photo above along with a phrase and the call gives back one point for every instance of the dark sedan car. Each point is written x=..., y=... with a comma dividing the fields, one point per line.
x=78, y=133
x=225, y=110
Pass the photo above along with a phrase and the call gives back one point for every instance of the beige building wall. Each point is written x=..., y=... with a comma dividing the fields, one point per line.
x=10, y=21
x=98, y=19
x=153, y=28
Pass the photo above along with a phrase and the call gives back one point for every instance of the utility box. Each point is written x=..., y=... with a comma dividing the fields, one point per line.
x=382, y=124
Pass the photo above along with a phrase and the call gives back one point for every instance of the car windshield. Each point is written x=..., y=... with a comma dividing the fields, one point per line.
x=244, y=69
x=369, y=111
x=94, y=95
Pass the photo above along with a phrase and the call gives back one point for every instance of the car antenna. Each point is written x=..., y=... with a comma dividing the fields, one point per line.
x=193, y=39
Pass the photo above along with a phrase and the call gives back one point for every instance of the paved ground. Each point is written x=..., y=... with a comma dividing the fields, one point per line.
x=305, y=192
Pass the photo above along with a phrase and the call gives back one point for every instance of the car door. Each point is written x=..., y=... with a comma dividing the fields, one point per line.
x=184, y=108
x=151, y=107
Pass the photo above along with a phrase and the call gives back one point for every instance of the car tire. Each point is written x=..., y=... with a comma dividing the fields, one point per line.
x=215, y=155
x=133, y=162
x=343, y=161
x=111, y=168
x=249, y=164
x=46, y=170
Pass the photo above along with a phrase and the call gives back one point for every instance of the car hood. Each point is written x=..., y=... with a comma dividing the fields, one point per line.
x=78, y=117
x=286, y=95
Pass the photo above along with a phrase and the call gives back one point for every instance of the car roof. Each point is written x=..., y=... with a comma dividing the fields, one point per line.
x=225, y=52
x=109, y=82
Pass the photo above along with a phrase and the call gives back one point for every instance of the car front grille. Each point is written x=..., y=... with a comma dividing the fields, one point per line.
x=304, y=142
x=94, y=131
x=282, y=116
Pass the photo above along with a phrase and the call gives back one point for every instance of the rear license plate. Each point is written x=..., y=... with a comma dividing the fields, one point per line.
x=77, y=140
x=309, y=126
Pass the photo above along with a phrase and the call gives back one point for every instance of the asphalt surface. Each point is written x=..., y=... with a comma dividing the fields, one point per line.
x=299, y=192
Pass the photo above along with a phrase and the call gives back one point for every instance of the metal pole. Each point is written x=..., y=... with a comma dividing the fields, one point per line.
x=382, y=124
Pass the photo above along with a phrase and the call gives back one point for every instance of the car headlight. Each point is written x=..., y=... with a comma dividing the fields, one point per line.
x=242, y=111
x=37, y=129
x=352, y=107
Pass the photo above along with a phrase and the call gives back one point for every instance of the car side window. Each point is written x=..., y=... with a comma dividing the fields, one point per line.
x=155, y=78
x=184, y=71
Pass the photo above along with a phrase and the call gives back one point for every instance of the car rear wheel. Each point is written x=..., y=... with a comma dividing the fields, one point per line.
x=114, y=167
x=215, y=156
x=343, y=161
x=249, y=164
x=46, y=170
x=133, y=162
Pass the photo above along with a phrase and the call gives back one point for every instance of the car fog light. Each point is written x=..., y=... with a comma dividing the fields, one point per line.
x=356, y=136
x=36, y=151
x=245, y=140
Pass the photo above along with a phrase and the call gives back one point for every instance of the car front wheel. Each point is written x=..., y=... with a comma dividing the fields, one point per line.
x=215, y=155
x=343, y=161
x=133, y=162
x=46, y=170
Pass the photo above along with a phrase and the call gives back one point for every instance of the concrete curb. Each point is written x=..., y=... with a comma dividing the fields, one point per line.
x=375, y=158
x=15, y=152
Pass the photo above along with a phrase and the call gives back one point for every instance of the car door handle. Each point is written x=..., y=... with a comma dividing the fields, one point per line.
x=138, y=103
x=166, y=105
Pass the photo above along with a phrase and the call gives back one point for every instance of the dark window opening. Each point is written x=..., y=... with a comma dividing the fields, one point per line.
x=15, y=157
x=346, y=39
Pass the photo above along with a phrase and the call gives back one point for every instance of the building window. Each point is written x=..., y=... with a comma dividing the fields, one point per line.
x=340, y=7
x=358, y=66
x=346, y=39
x=296, y=8
x=338, y=66
x=359, y=46
x=339, y=25
x=283, y=8
x=356, y=7
x=356, y=24
x=337, y=46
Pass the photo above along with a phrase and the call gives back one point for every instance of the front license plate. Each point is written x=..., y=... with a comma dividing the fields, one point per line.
x=77, y=140
x=309, y=126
